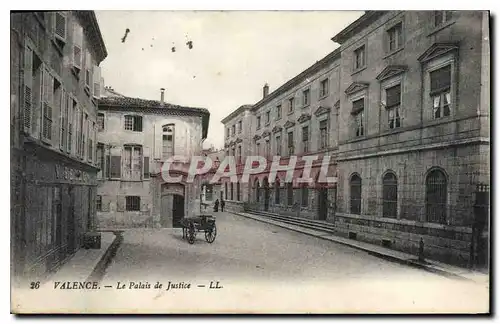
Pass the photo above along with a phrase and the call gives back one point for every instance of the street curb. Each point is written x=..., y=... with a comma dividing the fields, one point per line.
x=99, y=270
x=391, y=258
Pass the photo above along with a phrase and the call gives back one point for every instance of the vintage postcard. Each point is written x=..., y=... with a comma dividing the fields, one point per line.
x=305, y=162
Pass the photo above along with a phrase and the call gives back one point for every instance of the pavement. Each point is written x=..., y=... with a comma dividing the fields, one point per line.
x=380, y=251
x=254, y=267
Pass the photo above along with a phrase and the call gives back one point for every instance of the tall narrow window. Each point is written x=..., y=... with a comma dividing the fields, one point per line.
x=234, y=129
x=358, y=114
x=440, y=91
x=98, y=203
x=436, y=196
x=268, y=117
x=100, y=121
x=132, y=163
x=257, y=190
x=240, y=126
x=232, y=191
x=278, y=112
x=168, y=141
x=238, y=194
x=225, y=190
x=278, y=145
x=323, y=89
x=390, y=195
x=304, y=196
x=290, y=144
x=355, y=191
x=289, y=193
x=268, y=149
x=239, y=154
x=305, y=139
x=395, y=37
x=306, y=97
x=290, y=105
x=359, y=58
x=323, y=134
x=257, y=149
x=393, y=96
x=100, y=159
x=276, y=192
x=258, y=122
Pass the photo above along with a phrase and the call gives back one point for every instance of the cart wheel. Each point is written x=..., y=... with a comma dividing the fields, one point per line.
x=211, y=234
x=191, y=234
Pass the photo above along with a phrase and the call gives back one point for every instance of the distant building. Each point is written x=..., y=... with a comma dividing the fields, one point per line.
x=136, y=136
x=212, y=191
x=55, y=85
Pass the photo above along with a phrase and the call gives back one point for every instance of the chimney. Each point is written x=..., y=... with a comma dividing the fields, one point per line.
x=162, y=95
x=265, y=90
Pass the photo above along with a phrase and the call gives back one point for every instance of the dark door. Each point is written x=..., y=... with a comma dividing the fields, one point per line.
x=322, y=203
x=266, y=194
x=70, y=223
x=177, y=211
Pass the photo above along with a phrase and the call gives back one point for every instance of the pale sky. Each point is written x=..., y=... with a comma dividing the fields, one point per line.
x=234, y=54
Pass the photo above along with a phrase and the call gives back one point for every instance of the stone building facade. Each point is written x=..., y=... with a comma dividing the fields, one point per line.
x=408, y=130
x=297, y=119
x=135, y=137
x=414, y=129
x=55, y=85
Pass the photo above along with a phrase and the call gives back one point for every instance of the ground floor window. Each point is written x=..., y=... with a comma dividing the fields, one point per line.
x=304, y=196
x=289, y=194
x=132, y=203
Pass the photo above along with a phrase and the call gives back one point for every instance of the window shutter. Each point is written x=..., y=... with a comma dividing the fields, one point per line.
x=108, y=166
x=60, y=30
x=47, y=102
x=115, y=166
x=97, y=80
x=62, y=120
x=105, y=203
x=77, y=45
x=88, y=70
x=120, y=203
x=146, y=167
x=393, y=95
x=28, y=88
x=441, y=79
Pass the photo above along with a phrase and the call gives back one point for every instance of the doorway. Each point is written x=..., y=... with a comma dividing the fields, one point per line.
x=322, y=203
x=177, y=210
x=266, y=194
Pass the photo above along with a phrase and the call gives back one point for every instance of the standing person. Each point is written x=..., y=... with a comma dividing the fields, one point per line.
x=222, y=204
x=216, y=206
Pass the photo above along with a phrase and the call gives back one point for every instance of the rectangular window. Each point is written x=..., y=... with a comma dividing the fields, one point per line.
x=290, y=143
x=359, y=57
x=239, y=154
x=268, y=149
x=278, y=112
x=323, y=134
x=115, y=167
x=440, y=91
x=100, y=122
x=395, y=37
x=64, y=120
x=227, y=132
x=278, y=145
x=258, y=122
x=393, y=99
x=323, y=89
x=305, y=139
x=306, y=97
x=240, y=126
x=290, y=105
x=257, y=149
x=133, y=123
x=441, y=17
x=132, y=163
x=358, y=119
x=168, y=141
x=268, y=117
x=98, y=203
x=132, y=203
x=100, y=159
x=233, y=129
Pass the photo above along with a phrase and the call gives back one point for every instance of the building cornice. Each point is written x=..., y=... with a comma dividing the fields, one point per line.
x=358, y=25
x=90, y=25
x=235, y=113
x=299, y=78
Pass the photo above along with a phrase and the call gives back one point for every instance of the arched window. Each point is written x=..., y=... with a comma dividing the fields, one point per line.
x=436, y=191
x=232, y=191
x=277, y=192
x=390, y=195
x=238, y=197
x=289, y=193
x=355, y=190
x=225, y=190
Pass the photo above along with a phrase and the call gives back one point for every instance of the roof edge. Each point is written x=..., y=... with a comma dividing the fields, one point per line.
x=357, y=25
x=234, y=113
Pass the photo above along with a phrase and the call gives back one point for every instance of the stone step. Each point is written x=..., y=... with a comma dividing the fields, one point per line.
x=304, y=222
